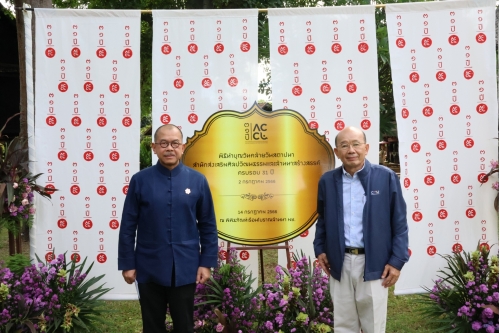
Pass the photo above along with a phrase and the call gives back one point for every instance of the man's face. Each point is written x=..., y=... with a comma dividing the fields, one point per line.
x=351, y=149
x=169, y=157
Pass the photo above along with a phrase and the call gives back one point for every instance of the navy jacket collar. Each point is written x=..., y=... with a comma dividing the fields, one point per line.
x=171, y=173
x=366, y=170
x=362, y=174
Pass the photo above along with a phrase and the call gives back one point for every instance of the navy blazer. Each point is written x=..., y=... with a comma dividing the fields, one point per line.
x=173, y=215
x=385, y=229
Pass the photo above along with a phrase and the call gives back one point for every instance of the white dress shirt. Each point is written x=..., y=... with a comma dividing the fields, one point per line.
x=354, y=202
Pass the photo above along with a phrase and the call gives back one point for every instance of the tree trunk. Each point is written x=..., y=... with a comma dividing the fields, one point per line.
x=12, y=244
x=15, y=243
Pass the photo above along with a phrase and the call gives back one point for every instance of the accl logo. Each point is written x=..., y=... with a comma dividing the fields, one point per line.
x=255, y=131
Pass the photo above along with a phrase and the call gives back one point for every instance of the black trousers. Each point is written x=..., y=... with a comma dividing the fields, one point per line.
x=154, y=299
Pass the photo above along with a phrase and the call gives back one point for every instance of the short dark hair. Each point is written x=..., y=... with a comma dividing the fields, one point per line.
x=364, y=136
x=169, y=126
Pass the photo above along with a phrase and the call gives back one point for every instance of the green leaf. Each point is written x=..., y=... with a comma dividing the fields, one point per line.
x=217, y=288
x=77, y=321
x=209, y=302
x=30, y=326
x=10, y=192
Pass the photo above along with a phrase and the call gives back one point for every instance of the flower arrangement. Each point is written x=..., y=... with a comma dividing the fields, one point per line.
x=52, y=297
x=20, y=206
x=17, y=185
x=465, y=296
x=299, y=301
x=227, y=302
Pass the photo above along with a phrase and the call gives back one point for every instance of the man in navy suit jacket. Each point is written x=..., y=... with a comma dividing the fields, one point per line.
x=169, y=206
x=361, y=235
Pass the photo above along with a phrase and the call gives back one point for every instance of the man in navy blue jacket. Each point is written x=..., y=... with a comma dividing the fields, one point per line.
x=361, y=236
x=170, y=208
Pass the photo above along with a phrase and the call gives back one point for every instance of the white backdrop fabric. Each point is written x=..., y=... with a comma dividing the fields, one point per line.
x=324, y=65
x=85, y=139
x=444, y=78
x=204, y=61
x=86, y=133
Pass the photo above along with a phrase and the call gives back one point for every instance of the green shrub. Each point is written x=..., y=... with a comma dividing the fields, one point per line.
x=17, y=263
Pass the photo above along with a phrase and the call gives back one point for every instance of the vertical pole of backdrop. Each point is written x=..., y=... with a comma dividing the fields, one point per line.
x=261, y=255
x=30, y=107
x=287, y=255
x=15, y=244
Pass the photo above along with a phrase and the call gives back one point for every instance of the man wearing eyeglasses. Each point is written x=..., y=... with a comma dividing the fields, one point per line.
x=169, y=206
x=361, y=238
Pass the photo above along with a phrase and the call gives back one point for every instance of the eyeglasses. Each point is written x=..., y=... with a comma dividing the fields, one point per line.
x=355, y=145
x=164, y=144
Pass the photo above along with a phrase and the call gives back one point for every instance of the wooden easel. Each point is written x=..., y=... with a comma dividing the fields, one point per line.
x=261, y=254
